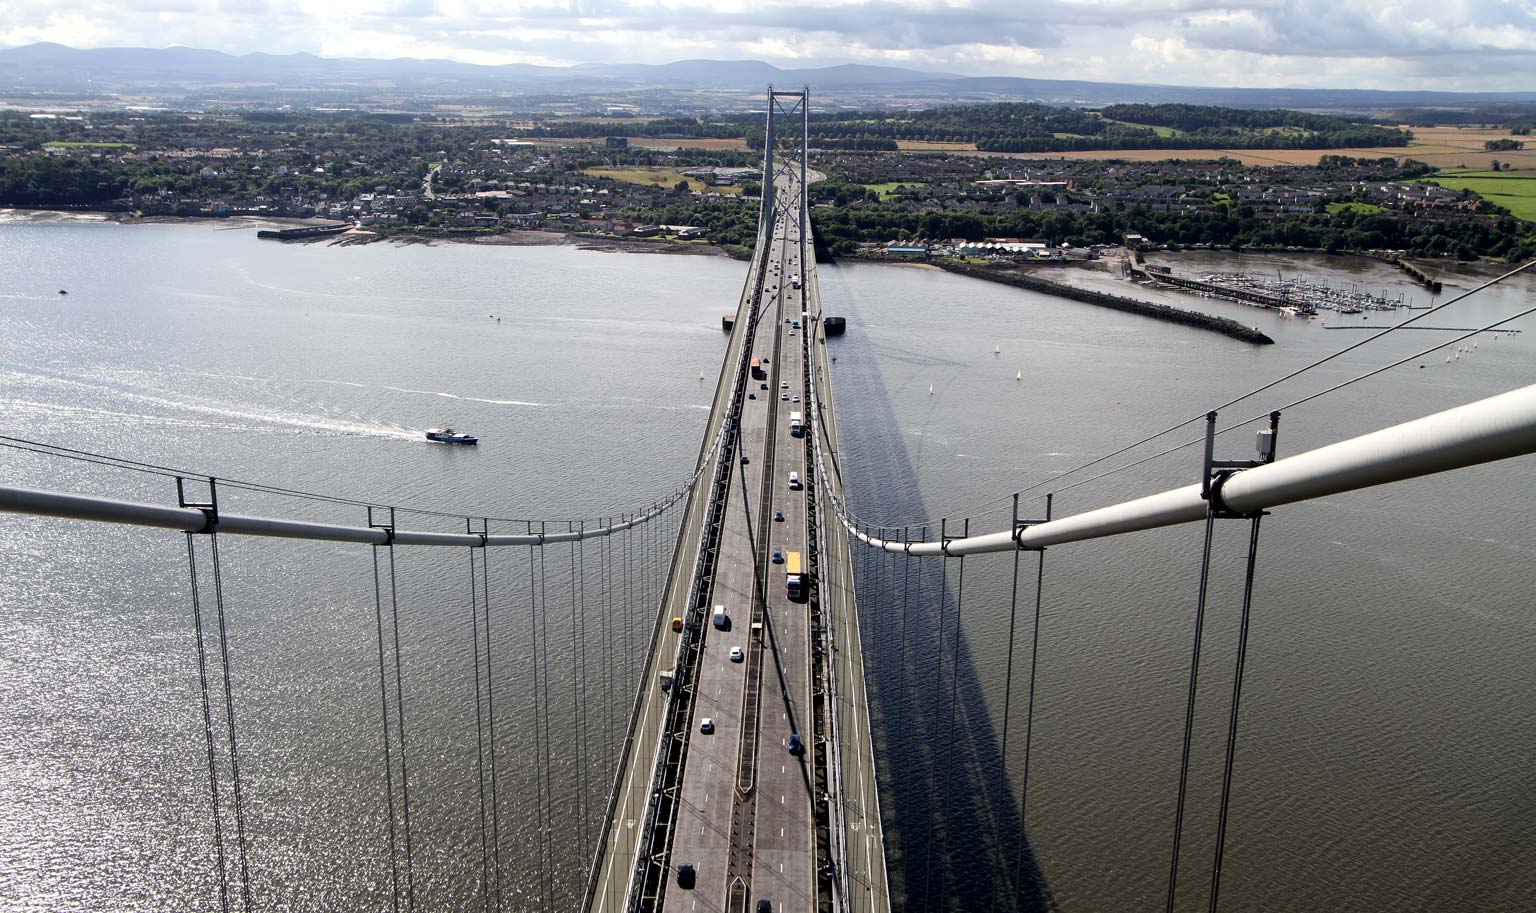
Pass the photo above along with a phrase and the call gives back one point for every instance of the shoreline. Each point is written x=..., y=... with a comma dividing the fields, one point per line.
x=515, y=237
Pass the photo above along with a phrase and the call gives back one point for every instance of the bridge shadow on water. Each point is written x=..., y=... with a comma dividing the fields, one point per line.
x=950, y=798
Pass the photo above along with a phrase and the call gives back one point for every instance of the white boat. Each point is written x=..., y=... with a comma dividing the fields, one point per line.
x=449, y=436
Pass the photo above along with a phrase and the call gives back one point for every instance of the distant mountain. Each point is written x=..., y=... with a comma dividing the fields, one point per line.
x=206, y=77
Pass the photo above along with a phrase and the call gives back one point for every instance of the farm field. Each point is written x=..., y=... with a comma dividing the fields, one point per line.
x=1513, y=190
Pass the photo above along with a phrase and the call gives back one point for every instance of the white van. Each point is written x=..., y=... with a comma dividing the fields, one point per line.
x=720, y=618
x=794, y=481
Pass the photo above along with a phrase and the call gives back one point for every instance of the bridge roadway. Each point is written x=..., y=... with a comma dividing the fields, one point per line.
x=745, y=820
x=745, y=816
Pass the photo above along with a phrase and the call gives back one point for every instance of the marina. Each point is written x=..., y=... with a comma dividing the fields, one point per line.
x=1293, y=296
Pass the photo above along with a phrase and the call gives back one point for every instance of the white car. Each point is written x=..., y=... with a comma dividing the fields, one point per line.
x=737, y=655
x=707, y=725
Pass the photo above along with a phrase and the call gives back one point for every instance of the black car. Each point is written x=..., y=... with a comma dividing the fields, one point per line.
x=763, y=906
x=795, y=745
x=685, y=875
x=778, y=516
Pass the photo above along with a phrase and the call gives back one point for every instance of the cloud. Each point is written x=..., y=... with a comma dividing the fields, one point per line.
x=1484, y=44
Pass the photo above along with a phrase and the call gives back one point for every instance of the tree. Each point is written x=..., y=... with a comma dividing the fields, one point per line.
x=682, y=187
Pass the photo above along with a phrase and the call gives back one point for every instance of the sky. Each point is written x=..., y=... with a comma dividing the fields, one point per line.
x=1458, y=45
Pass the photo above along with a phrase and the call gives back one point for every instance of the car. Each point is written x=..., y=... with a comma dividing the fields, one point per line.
x=763, y=387
x=737, y=655
x=784, y=384
x=685, y=875
x=751, y=396
x=795, y=745
x=778, y=556
x=794, y=399
x=707, y=725
x=763, y=906
x=677, y=623
x=794, y=481
x=778, y=516
x=784, y=397
x=745, y=459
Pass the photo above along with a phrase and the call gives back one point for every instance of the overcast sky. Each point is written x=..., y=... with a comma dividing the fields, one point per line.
x=1388, y=44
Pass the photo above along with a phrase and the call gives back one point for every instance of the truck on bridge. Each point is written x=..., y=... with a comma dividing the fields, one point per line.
x=796, y=424
x=794, y=577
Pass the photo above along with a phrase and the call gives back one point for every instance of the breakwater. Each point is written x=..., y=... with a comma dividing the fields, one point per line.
x=1222, y=325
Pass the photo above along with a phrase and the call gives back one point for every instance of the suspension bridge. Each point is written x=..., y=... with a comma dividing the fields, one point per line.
x=726, y=761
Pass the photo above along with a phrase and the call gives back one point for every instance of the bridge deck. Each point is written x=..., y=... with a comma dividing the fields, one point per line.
x=743, y=809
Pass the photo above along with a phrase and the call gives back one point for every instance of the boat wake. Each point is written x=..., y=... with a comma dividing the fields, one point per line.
x=472, y=399
x=244, y=418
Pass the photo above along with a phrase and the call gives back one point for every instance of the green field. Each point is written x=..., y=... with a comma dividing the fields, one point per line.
x=658, y=177
x=1160, y=131
x=61, y=144
x=1360, y=208
x=1513, y=190
x=888, y=189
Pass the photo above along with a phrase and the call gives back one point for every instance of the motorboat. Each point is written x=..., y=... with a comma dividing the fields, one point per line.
x=449, y=436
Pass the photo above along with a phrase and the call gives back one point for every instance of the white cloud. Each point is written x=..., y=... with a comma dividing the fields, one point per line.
x=1454, y=44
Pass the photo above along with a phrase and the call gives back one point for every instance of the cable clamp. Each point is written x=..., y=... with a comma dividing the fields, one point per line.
x=209, y=508
x=388, y=528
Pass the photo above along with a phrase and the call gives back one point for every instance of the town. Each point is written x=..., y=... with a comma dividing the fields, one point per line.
x=390, y=175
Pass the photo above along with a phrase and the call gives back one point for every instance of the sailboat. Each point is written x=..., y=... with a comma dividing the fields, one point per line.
x=930, y=389
x=997, y=350
x=1019, y=375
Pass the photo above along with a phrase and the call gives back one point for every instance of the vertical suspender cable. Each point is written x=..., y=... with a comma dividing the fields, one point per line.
x=490, y=715
x=1237, y=696
x=1029, y=712
x=405, y=770
x=389, y=766
x=906, y=568
x=229, y=719
x=1013, y=612
x=474, y=627
x=549, y=767
x=931, y=832
x=579, y=559
x=954, y=707
x=539, y=817
x=580, y=783
x=213, y=767
x=1189, y=707
x=610, y=633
